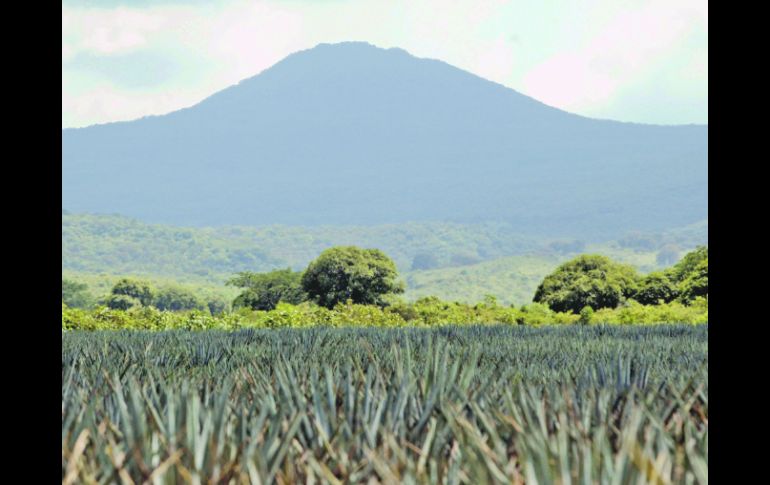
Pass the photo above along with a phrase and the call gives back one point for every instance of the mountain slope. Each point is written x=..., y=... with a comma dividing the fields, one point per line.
x=353, y=134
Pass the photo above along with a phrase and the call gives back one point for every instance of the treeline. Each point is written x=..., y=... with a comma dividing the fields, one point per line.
x=353, y=286
x=592, y=282
x=114, y=244
x=121, y=245
x=128, y=293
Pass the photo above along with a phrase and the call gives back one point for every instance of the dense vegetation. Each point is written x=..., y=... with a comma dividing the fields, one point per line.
x=354, y=286
x=450, y=405
x=263, y=291
x=598, y=282
x=426, y=312
x=120, y=245
x=456, y=262
x=129, y=293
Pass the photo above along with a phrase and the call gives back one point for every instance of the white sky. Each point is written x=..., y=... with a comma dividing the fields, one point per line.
x=629, y=60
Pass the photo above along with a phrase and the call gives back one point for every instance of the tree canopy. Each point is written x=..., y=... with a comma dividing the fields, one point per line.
x=121, y=302
x=696, y=283
x=174, y=298
x=75, y=295
x=654, y=288
x=689, y=264
x=139, y=290
x=263, y=291
x=343, y=273
x=588, y=280
x=598, y=282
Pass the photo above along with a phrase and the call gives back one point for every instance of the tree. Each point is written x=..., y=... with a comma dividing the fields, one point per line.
x=654, y=288
x=177, y=299
x=216, y=305
x=588, y=280
x=364, y=276
x=74, y=294
x=681, y=270
x=263, y=291
x=139, y=290
x=696, y=283
x=121, y=302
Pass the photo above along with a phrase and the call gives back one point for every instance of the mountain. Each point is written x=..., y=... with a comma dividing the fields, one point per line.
x=353, y=134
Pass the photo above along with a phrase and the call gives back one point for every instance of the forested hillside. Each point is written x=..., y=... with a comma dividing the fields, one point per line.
x=453, y=261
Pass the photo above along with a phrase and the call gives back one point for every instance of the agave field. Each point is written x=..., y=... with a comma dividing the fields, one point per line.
x=470, y=404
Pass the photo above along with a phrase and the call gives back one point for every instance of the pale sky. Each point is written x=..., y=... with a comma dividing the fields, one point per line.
x=630, y=60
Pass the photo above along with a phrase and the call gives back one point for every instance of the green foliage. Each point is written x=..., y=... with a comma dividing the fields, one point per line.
x=425, y=312
x=655, y=288
x=588, y=280
x=506, y=404
x=696, y=284
x=121, y=302
x=345, y=273
x=538, y=314
x=691, y=275
x=689, y=264
x=263, y=291
x=119, y=245
x=138, y=290
x=634, y=313
x=97, y=249
x=174, y=298
x=217, y=305
x=513, y=279
x=75, y=294
x=586, y=314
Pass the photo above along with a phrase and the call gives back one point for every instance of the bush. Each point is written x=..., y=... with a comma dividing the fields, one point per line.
x=585, y=315
x=426, y=312
x=635, y=313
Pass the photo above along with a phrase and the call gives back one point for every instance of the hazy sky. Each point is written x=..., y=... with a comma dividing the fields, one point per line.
x=629, y=60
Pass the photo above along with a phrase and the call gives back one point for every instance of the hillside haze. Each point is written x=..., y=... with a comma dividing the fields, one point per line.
x=354, y=134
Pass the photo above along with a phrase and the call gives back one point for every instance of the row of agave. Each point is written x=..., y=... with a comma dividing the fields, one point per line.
x=387, y=406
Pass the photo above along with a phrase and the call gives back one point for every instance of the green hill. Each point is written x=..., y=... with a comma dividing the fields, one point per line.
x=462, y=262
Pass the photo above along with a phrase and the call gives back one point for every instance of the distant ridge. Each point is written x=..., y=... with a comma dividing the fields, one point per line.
x=354, y=134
